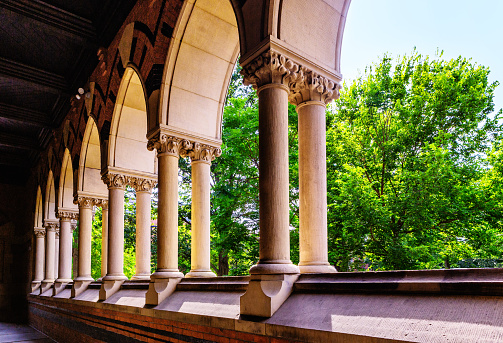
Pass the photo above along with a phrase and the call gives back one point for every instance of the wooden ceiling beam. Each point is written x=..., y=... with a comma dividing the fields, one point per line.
x=25, y=116
x=19, y=142
x=53, y=16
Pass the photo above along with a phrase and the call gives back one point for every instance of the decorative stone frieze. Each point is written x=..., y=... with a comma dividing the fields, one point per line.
x=68, y=215
x=202, y=152
x=304, y=84
x=114, y=180
x=168, y=144
x=39, y=232
x=141, y=184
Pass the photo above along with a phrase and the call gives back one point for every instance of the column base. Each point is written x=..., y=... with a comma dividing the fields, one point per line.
x=60, y=285
x=35, y=285
x=201, y=273
x=46, y=285
x=141, y=277
x=274, y=267
x=319, y=268
x=109, y=288
x=266, y=293
x=166, y=274
x=160, y=289
x=80, y=285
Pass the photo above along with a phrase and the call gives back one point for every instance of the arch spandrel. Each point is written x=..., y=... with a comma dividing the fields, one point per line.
x=202, y=55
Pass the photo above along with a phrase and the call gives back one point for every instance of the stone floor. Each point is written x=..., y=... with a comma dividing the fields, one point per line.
x=21, y=333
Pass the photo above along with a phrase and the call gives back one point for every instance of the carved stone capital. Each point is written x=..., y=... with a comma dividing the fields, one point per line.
x=103, y=203
x=113, y=180
x=202, y=153
x=309, y=86
x=57, y=232
x=50, y=226
x=165, y=144
x=85, y=202
x=39, y=232
x=270, y=67
x=73, y=226
x=142, y=184
x=67, y=215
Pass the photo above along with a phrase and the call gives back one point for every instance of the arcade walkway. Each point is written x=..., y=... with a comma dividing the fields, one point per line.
x=21, y=333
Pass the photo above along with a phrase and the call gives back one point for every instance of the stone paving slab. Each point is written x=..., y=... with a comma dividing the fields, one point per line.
x=10, y=333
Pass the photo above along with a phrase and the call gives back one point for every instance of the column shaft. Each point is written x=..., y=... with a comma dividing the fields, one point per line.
x=104, y=241
x=200, y=241
x=85, y=236
x=142, y=235
x=65, y=250
x=115, y=270
x=50, y=242
x=56, y=254
x=167, y=219
x=313, y=189
x=39, y=256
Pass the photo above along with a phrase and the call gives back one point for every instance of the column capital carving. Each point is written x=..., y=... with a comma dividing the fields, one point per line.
x=202, y=152
x=57, y=232
x=67, y=215
x=115, y=180
x=50, y=226
x=166, y=144
x=73, y=225
x=103, y=203
x=310, y=86
x=39, y=232
x=141, y=184
x=85, y=202
x=304, y=84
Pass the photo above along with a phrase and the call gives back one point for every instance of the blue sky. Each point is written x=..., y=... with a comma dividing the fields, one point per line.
x=468, y=28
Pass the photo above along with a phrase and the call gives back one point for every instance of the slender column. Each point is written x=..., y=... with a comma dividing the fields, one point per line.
x=143, y=189
x=201, y=156
x=65, y=246
x=39, y=254
x=116, y=184
x=85, y=237
x=163, y=282
x=311, y=93
x=50, y=228
x=104, y=238
x=56, y=253
x=168, y=150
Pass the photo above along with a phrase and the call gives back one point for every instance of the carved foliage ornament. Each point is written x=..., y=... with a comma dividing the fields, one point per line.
x=113, y=180
x=67, y=215
x=39, y=232
x=168, y=144
x=203, y=152
x=51, y=226
x=304, y=84
x=141, y=185
x=88, y=202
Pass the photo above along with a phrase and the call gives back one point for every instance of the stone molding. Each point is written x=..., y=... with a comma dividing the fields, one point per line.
x=141, y=184
x=88, y=202
x=67, y=215
x=202, y=153
x=166, y=144
x=39, y=232
x=304, y=84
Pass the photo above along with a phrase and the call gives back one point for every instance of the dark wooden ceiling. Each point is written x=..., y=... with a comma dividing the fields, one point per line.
x=47, y=51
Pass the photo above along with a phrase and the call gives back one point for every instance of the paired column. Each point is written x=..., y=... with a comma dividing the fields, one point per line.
x=84, y=278
x=104, y=237
x=39, y=257
x=65, y=249
x=50, y=257
x=201, y=156
x=143, y=188
x=56, y=252
x=311, y=93
x=166, y=277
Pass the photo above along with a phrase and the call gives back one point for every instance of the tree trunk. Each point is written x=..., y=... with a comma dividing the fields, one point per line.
x=223, y=263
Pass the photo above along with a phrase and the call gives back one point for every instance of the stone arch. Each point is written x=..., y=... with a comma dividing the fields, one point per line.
x=50, y=198
x=127, y=143
x=39, y=215
x=201, y=57
x=89, y=173
x=65, y=194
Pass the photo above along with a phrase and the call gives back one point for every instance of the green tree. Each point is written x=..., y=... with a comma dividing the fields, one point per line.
x=406, y=147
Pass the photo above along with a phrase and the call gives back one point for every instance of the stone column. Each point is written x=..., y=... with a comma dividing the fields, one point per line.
x=50, y=241
x=143, y=188
x=201, y=156
x=164, y=280
x=104, y=238
x=270, y=73
x=65, y=250
x=311, y=93
x=39, y=257
x=116, y=184
x=56, y=253
x=84, y=278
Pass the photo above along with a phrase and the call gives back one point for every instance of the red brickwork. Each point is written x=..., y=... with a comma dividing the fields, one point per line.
x=72, y=322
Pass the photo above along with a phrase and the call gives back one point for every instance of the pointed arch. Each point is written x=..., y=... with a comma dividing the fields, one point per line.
x=50, y=198
x=127, y=145
x=39, y=213
x=201, y=57
x=88, y=179
x=65, y=194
